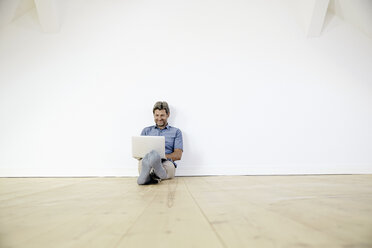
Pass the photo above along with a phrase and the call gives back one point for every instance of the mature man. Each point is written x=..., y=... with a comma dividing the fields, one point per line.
x=152, y=168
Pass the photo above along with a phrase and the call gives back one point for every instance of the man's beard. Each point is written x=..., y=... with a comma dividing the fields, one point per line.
x=161, y=124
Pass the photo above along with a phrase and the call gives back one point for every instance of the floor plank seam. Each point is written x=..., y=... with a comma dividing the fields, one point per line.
x=56, y=226
x=135, y=221
x=205, y=216
x=43, y=191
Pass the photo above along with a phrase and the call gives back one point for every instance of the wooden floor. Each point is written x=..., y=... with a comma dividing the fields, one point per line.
x=229, y=211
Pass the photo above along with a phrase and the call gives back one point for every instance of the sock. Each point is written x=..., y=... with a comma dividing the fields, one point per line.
x=144, y=176
x=155, y=162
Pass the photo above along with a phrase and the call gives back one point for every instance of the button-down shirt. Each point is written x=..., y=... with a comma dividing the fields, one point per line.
x=173, y=137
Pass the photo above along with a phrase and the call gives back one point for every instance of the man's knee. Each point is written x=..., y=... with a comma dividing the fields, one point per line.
x=170, y=169
x=152, y=156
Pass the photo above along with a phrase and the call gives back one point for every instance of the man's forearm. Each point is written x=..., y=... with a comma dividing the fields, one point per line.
x=176, y=155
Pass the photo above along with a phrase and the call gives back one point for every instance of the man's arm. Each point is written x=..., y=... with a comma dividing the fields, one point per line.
x=176, y=155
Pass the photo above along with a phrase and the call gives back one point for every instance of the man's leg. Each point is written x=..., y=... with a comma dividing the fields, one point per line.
x=170, y=169
x=155, y=162
x=151, y=160
x=144, y=172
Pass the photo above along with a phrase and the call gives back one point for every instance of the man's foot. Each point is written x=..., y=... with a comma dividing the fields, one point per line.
x=156, y=163
x=154, y=178
x=144, y=177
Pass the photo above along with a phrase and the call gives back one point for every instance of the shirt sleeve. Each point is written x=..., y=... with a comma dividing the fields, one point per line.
x=143, y=133
x=178, y=142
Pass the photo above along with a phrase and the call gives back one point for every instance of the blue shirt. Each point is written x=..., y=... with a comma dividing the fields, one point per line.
x=173, y=137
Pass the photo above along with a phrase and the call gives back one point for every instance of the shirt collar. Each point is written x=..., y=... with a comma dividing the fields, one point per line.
x=166, y=127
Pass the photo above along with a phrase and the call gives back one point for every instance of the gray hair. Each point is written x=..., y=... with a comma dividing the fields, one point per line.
x=160, y=106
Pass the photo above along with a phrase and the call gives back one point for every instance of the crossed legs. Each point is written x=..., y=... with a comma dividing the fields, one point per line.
x=152, y=161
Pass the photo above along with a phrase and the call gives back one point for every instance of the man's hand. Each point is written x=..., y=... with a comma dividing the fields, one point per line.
x=176, y=155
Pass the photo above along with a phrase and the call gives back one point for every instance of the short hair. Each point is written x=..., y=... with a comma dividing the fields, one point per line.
x=160, y=106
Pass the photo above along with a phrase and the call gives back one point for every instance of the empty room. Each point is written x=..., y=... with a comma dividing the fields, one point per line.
x=183, y=123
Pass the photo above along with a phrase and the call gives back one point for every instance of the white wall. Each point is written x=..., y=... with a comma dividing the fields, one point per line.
x=250, y=92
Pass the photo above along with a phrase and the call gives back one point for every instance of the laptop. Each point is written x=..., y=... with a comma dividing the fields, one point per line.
x=141, y=145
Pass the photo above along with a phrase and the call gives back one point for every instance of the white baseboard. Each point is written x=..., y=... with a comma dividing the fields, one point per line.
x=184, y=170
x=83, y=172
x=275, y=170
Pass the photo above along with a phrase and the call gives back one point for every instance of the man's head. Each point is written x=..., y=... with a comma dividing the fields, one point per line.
x=161, y=113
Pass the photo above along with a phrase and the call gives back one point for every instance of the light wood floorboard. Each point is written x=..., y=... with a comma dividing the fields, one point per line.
x=227, y=211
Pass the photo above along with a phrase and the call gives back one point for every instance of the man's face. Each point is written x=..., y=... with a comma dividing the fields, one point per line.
x=161, y=118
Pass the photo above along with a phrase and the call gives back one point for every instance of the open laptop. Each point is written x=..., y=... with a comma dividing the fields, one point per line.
x=141, y=145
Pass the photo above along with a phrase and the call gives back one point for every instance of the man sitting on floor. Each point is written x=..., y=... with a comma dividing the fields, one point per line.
x=152, y=168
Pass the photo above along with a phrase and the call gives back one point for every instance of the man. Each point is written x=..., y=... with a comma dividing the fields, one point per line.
x=152, y=168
